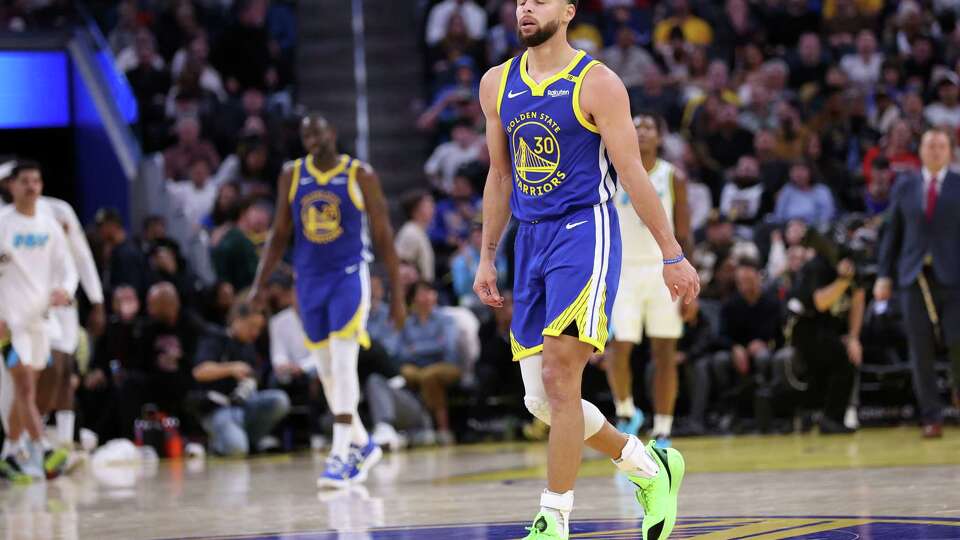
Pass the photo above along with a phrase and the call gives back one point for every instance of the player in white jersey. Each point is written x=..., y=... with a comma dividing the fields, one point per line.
x=35, y=276
x=644, y=305
x=55, y=391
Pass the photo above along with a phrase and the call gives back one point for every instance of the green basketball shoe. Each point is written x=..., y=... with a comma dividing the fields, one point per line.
x=658, y=495
x=545, y=527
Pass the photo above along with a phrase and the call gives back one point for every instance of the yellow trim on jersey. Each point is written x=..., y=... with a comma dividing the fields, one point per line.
x=520, y=352
x=578, y=83
x=537, y=89
x=353, y=329
x=323, y=177
x=295, y=182
x=577, y=313
x=503, y=82
x=353, y=187
x=656, y=165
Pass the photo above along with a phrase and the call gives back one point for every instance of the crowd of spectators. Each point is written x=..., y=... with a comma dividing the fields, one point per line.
x=791, y=119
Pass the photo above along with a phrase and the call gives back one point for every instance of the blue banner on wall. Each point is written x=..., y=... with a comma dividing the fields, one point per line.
x=35, y=92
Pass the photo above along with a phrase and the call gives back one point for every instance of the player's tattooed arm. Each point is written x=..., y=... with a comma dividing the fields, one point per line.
x=496, y=192
x=382, y=236
x=279, y=236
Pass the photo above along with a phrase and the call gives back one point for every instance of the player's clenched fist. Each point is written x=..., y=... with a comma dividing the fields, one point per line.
x=682, y=280
x=485, y=285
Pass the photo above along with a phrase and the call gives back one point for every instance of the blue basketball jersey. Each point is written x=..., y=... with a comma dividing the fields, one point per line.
x=559, y=162
x=330, y=224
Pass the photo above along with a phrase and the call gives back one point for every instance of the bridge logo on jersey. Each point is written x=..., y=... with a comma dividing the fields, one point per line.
x=536, y=153
x=320, y=215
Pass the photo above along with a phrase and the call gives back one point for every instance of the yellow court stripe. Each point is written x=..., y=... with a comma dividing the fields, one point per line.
x=537, y=89
x=577, y=85
x=503, y=83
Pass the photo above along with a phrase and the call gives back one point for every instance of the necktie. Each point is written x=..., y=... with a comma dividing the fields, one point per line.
x=931, y=198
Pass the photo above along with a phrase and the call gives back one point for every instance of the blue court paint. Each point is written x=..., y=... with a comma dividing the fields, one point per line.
x=828, y=528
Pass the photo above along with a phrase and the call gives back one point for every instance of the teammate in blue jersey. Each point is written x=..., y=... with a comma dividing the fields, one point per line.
x=325, y=201
x=560, y=137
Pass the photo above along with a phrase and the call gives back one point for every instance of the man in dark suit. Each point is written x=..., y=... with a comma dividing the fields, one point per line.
x=921, y=249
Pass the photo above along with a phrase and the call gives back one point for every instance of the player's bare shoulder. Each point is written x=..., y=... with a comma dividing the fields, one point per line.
x=601, y=88
x=490, y=87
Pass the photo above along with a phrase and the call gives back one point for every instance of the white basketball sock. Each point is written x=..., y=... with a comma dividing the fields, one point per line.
x=626, y=408
x=65, y=426
x=662, y=424
x=341, y=440
x=358, y=433
x=634, y=459
x=559, y=505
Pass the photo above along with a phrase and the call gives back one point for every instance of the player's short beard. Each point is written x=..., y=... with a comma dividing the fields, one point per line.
x=541, y=36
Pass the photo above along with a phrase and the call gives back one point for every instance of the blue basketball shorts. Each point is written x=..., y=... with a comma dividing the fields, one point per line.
x=567, y=272
x=334, y=304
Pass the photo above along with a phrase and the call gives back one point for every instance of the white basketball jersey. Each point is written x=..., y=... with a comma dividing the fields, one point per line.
x=639, y=247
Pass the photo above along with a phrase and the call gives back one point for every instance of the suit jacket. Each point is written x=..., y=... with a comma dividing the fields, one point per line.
x=909, y=237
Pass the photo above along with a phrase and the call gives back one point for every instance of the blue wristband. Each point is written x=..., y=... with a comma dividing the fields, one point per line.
x=675, y=260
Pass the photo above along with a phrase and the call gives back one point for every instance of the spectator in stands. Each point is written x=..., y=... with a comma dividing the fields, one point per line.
x=790, y=133
x=196, y=54
x=653, y=95
x=175, y=26
x=190, y=148
x=455, y=214
x=695, y=30
x=751, y=329
x=170, y=339
x=379, y=326
x=733, y=27
x=114, y=386
x=237, y=416
x=428, y=355
x=919, y=65
x=827, y=332
x=721, y=147
x=242, y=54
x=464, y=148
x=412, y=243
x=627, y=59
x=699, y=341
x=226, y=209
x=218, y=299
x=787, y=21
x=150, y=82
x=124, y=34
x=502, y=40
x=188, y=97
x=863, y=66
x=196, y=196
x=896, y=147
x=252, y=167
x=744, y=200
x=235, y=255
x=496, y=370
x=474, y=17
x=876, y=195
x=803, y=199
x=124, y=263
x=945, y=112
x=844, y=19
x=165, y=264
x=451, y=99
x=809, y=66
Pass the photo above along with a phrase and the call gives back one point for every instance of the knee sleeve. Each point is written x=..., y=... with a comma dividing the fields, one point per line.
x=535, y=398
x=345, y=382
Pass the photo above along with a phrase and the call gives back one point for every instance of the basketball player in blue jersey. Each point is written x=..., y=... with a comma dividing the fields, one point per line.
x=325, y=200
x=560, y=135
